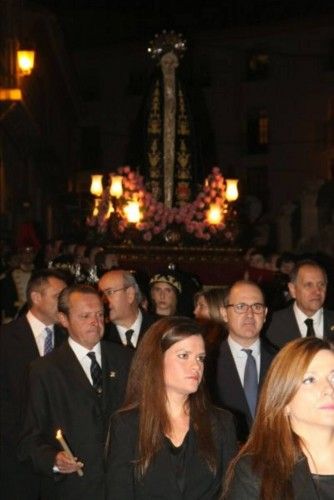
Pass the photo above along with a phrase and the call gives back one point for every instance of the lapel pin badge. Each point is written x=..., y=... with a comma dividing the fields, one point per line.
x=112, y=374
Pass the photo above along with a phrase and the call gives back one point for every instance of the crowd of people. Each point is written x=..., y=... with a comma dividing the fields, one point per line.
x=112, y=389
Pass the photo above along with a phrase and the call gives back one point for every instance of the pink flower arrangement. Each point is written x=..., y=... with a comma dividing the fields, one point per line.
x=191, y=218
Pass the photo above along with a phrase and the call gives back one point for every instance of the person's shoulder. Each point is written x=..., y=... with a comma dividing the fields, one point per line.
x=53, y=359
x=282, y=313
x=14, y=326
x=268, y=346
x=244, y=471
x=117, y=353
x=329, y=313
x=125, y=419
x=222, y=419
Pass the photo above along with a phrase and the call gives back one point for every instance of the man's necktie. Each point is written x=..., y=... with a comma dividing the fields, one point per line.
x=310, y=330
x=96, y=372
x=48, y=344
x=250, y=381
x=128, y=336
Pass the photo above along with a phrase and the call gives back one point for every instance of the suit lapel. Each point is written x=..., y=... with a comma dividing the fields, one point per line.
x=110, y=378
x=228, y=380
x=27, y=340
x=74, y=368
x=265, y=361
x=328, y=326
x=293, y=320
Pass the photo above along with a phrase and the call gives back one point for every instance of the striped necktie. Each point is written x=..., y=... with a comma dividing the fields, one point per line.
x=48, y=340
x=96, y=372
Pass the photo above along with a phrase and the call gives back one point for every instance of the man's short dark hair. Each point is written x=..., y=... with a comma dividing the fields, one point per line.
x=40, y=278
x=64, y=297
x=306, y=262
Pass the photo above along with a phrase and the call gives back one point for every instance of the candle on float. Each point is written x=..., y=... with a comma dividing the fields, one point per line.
x=132, y=212
x=64, y=445
x=214, y=214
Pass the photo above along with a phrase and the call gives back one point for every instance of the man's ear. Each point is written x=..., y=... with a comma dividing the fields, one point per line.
x=63, y=320
x=223, y=312
x=36, y=297
x=292, y=290
x=131, y=294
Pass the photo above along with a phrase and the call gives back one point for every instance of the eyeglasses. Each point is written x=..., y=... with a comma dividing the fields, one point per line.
x=242, y=308
x=111, y=291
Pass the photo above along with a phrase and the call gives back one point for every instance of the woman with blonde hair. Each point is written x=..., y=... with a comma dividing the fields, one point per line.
x=167, y=441
x=290, y=451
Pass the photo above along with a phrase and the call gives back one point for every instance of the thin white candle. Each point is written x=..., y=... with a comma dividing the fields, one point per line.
x=64, y=445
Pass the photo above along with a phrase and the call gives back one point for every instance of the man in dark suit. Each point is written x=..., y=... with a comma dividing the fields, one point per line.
x=21, y=341
x=75, y=389
x=128, y=322
x=236, y=373
x=306, y=316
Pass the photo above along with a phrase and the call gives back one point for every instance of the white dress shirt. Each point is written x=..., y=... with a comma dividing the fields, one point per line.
x=240, y=356
x=136, y=330
x=38, y=329
x=318, y=321
x=81, y=354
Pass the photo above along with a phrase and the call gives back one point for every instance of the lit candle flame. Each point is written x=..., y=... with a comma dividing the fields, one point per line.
x=214, y=214
x=132, y=211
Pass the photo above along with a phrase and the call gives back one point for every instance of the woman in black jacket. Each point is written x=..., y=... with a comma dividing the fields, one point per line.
x=167, y=442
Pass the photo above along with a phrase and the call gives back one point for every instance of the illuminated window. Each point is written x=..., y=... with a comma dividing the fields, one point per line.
x=258, y=132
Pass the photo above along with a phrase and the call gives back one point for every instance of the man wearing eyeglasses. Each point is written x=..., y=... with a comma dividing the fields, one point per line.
x=243, y=358
x=128, y=322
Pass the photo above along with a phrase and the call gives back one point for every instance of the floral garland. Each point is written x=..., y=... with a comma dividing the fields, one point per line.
x=157, y=219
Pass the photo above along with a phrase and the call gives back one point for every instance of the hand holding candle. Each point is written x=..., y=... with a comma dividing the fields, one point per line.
x=64, y=445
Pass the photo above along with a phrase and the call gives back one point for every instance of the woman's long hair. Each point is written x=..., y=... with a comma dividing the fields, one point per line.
x=214, y=326
x=273, y=446
x=146, y=392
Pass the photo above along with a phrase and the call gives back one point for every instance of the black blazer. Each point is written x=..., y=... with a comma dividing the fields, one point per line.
x=111, y=333
x=246, y=485
x=283, y=326
x=17, y=350
x=226, y=388
x=159, y=481
x=61, y=397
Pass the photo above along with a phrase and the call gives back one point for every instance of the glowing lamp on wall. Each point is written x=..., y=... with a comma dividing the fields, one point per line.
x=25, y=61
x=96, y=187
x=231, y=192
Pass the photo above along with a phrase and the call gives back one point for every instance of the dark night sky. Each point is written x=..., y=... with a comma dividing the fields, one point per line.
x=140, y=19
x=221, y=13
